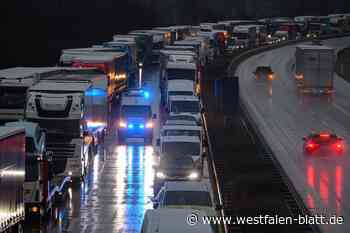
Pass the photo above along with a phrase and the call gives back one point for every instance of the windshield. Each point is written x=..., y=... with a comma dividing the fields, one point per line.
x=180, y=93
x=185, y=106
x=181, y=132
x=30, y=145
x=12, y=97
x=136, y=111
x=181, y=148
x=32, y=168
x=187, y=198
x=181, y=74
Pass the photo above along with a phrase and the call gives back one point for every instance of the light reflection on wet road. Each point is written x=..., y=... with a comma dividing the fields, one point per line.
x=114, y=196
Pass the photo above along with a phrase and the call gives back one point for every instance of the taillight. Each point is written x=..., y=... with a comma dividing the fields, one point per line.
x=310, y=146
x=339, y=146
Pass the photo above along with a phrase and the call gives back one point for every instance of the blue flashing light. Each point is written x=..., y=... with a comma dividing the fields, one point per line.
x=141, y=126
x=130, y=126
x=96, y=92
x=146, y=94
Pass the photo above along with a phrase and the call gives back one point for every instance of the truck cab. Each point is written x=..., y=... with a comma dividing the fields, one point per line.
x=180, y=87
x=37, y=189
x=136, y=119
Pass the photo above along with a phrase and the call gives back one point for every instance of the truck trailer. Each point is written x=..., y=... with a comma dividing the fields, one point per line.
x=14, y=83
x=12, y=172
x=314, y=68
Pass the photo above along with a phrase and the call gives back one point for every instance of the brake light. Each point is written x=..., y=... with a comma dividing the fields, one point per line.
x=311, y=146
x=339, y=146
x=324, y=135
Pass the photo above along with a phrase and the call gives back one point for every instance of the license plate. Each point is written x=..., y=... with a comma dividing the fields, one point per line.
x=136, y=140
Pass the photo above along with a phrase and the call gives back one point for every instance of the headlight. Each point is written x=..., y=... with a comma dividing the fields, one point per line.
x=193, y=176
x=122, y=124
x=160, y=175
x=149, y=125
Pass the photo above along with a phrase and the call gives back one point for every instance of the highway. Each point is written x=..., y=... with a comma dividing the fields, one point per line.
x=284, y=116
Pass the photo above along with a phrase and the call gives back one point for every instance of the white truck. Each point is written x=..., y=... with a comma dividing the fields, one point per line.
x=14, y=83
x=60, y=108
x=182, y=71
x=314, y=68
x=180, y=87
x=12, y=172
x=185, y=105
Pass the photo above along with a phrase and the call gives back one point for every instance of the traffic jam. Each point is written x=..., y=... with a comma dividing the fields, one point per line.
x=122, y=120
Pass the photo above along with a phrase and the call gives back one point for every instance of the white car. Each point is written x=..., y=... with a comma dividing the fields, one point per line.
x=171, y=220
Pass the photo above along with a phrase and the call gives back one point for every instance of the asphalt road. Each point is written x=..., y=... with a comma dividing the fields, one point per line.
x=284, y=116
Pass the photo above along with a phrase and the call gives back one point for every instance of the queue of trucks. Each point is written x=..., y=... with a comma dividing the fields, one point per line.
x=55, y=119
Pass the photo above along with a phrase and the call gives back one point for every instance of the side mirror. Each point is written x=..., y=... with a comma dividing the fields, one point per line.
x=304, y=138
x=154, y=116
x=158, y=142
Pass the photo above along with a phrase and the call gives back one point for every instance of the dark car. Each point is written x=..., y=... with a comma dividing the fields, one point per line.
x=323, y=141
x=264, y=72
x=175, y=168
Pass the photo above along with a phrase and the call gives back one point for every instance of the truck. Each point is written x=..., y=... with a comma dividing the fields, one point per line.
x=39, y=190
x=314, y=67
x=114, y=64
x=178, y=70
x=14, y=83
x=144, y=42
x=136, y=118
x=60, y=107
x=12, y=174
x=244, y=36
x=98, y=101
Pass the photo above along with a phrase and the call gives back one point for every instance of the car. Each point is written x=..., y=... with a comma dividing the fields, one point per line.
x=175, y=167
x=264, y=72
x=173, y=220
x=188, y=195
x=323, y=141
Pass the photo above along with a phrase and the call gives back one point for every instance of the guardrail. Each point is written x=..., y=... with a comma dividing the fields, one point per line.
x=212, y=170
